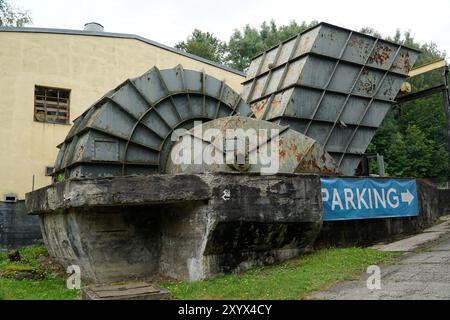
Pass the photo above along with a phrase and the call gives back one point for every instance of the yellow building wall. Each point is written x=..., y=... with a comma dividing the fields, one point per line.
x=89, y=66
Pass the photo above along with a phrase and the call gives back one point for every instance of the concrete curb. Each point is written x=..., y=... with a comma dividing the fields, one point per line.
x=412, y=243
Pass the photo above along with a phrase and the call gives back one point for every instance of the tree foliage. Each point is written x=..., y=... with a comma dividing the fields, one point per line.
x=11, y=16
x=204, y=44
x=410, y=153
x=413, y=136
x=244, y=45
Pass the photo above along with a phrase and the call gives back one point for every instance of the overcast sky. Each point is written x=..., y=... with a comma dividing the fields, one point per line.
x=170, y=21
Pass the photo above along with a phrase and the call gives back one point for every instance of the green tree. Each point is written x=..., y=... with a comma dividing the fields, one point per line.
x=419, y=125
x=410, y=154
x=395, y=156
x=419, y=153
x=244, y=45
x=205, y=45
x=11, y=16
x=370, y=32
x=440, y=168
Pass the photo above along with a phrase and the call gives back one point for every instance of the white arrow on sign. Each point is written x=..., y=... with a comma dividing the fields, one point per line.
x=407, y=197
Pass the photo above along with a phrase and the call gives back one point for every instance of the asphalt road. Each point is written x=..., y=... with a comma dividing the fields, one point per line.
x=420, y=275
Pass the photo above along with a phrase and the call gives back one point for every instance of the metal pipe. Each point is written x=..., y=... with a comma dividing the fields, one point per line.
x=446, y=94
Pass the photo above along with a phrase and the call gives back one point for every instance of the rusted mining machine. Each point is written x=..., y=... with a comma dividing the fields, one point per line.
x=125, y=203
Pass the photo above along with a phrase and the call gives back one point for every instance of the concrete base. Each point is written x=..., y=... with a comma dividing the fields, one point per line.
x=187, y=227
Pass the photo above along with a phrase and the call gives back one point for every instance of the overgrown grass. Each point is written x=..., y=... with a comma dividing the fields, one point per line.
x=294, y=279
x=46, y=289
x=46, y=286
x=291, y=280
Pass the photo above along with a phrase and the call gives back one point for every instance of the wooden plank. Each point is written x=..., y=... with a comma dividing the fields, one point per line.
x=428, y=67
x=119, y=293
x=126, y=292
x=52, y=109
x=51, y=103
x=123, y=286
x=56, y=112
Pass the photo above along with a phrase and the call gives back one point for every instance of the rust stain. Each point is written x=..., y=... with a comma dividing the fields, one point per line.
x=367, y=83
x=276, y=103
x=294, y=147
x=361, y=46
x=306, y=43
x=315, y=161
x=307, y=40
x=275, y=108
x=403, y=63
x=381, y=55
x=406, y=62
x=259, y=107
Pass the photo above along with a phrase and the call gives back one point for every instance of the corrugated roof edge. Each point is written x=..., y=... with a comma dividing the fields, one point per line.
x=123, y=36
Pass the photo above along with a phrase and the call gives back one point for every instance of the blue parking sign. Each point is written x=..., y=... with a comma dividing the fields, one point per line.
x=353, y=199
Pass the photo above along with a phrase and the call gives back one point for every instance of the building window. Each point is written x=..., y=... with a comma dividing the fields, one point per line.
x=49, y=171
x=11, y=198
x=51, y=105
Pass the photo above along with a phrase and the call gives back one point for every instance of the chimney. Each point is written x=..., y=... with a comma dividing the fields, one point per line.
x=94, y=27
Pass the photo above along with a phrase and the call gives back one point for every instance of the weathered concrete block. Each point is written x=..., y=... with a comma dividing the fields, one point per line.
x=108, y=244
x=120, y=228
x=17, y=229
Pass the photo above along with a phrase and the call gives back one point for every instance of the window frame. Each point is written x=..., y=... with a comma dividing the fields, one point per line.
x=46, y=88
